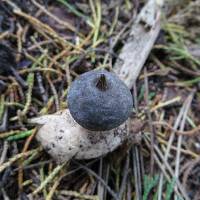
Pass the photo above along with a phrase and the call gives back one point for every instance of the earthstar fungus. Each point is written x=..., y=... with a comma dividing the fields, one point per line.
x=95, y=123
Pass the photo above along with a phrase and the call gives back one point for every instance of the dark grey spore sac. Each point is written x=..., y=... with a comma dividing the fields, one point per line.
x=99, y=100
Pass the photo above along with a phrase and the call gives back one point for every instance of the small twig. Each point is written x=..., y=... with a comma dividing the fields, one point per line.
x=153, y=135
x=168, y=167
x=30, y=81
x=137, y=172
x=140, y=42
x=63, y=23
x=3, y=125
x=42, y=28
x=166, y=103
x=16, y=157
x=53, y=89
x=170, y=141
x=18, y=77
x=192, y=164
x=114, y=195
x=192, y=132
x=129, y=190
x=33, y=165
x=180, y=137
x=184, y=151
x=4, y=152
x=25, y=148
x=125, y=176
x=49, y=178
x=78, y=195
x=100, y=188
x=137, y=168
x=41, y=88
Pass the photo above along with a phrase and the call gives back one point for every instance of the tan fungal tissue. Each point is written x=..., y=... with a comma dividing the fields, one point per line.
x=63, y=138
